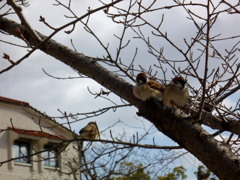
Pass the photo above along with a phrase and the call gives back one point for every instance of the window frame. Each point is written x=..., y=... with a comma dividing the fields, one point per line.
x=17, y=146
x=50, y=155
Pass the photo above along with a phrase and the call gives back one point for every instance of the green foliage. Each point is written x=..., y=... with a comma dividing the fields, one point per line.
x=177, y=173
x=130, y=171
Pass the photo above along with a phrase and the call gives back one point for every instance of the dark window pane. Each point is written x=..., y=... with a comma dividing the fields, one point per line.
x=21, y=149
x=50, y=157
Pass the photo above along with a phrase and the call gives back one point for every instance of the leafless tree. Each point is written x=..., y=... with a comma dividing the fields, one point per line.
x=211, y=68
x=103, y=159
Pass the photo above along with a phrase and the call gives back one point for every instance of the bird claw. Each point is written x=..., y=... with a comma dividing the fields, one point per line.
x=155, y=103
x=176, y=112
x=138, y=113
x=180, y=113
x=152, y=103
x=170, y=110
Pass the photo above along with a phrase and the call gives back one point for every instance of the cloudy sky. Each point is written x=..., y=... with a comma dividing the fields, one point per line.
x=28, y=82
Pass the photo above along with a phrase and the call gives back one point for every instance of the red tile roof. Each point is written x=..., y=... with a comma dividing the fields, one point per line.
x=26, y=104
x=8, y=100
x=36, y=133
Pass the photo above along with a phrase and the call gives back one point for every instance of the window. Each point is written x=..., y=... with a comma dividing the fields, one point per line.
x=50, y=156
x=21, y=149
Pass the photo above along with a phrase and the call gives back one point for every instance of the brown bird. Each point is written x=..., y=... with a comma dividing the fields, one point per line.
x=146, y=88
x=176, y=93
x=90, y=131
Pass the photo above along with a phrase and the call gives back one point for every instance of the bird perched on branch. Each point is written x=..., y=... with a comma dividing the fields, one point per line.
x=176, y=93
x=90, y=131
x=146, y=88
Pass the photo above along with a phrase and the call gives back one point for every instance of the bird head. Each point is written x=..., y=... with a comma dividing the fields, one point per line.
x=141, y=78
x=92, y=123
x=179, y=82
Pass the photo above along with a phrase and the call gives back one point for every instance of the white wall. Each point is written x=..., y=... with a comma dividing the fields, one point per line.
x=27, y=118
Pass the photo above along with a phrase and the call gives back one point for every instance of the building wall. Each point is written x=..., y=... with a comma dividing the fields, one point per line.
x=22, y=117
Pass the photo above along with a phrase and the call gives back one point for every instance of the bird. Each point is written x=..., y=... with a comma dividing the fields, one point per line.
x=176, y=93
x=90, y=131
x=146, y=88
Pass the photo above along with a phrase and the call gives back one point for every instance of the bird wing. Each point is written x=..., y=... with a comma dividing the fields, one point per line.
x=90, y=132
x=98, y=133
x=155, y=85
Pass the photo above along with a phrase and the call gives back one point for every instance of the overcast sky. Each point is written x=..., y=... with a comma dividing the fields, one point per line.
x=27, y=81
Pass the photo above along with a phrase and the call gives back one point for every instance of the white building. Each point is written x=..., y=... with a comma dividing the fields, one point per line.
x=33, y=146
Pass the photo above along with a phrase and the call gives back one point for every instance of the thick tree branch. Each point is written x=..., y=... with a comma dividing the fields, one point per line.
x=186, y=132
x=227, y=94
x=24, y=22
x=232, y=125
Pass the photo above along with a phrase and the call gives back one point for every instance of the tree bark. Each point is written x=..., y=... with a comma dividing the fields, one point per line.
x=185, y=131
